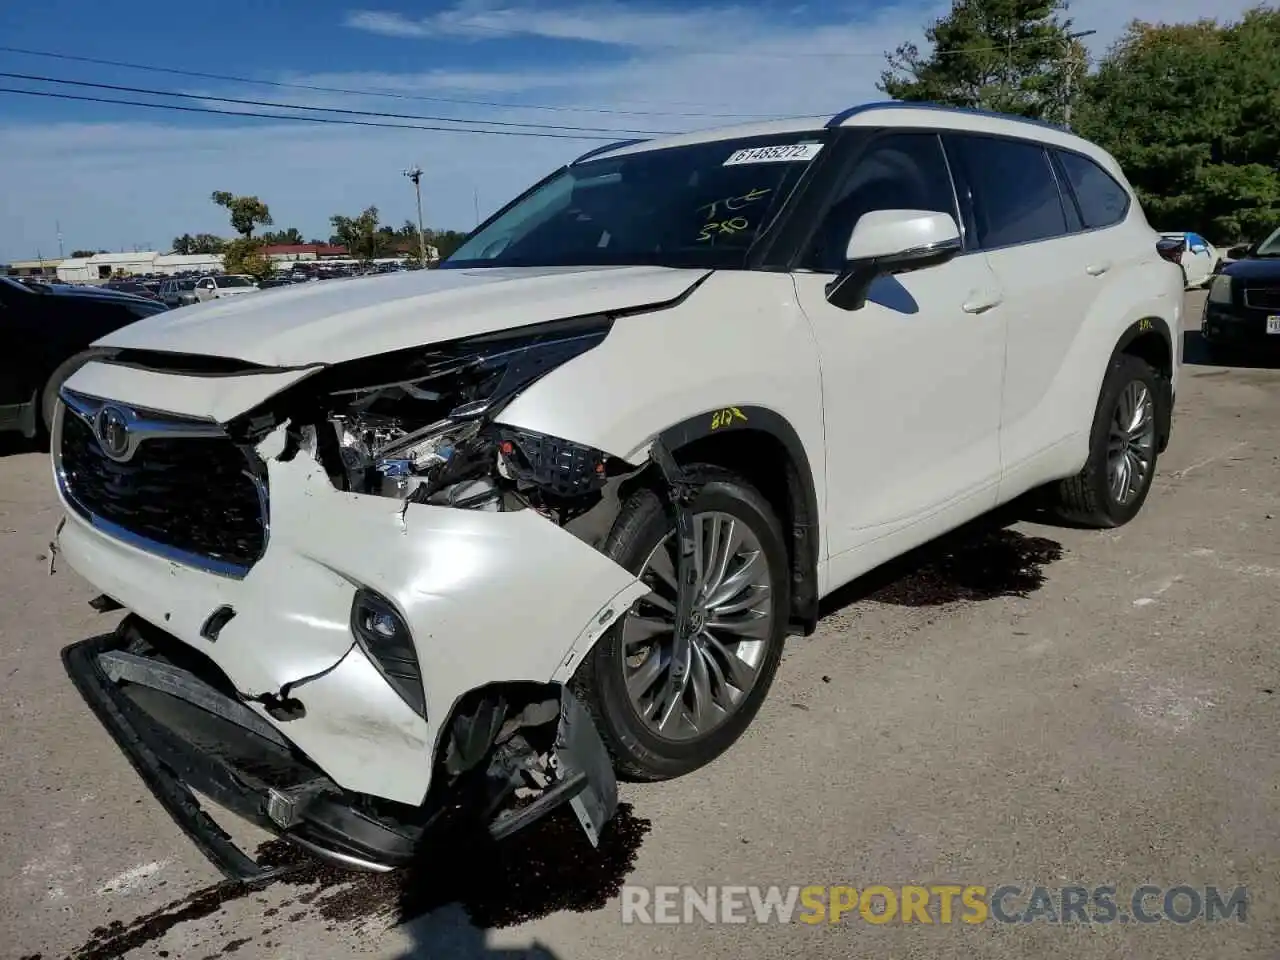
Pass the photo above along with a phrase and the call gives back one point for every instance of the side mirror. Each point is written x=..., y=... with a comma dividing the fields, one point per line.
x=891, y=241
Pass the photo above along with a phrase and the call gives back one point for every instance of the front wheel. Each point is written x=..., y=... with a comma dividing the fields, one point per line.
x=664, y=707
x=1116, y=479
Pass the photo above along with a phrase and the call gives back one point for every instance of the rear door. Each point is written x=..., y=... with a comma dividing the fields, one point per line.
x=1050, y=269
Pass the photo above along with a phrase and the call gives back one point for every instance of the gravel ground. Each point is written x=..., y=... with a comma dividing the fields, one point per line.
x=1032, y=705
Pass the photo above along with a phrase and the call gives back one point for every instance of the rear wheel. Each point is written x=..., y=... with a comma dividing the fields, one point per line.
x=1116, y=479
x=664, y=708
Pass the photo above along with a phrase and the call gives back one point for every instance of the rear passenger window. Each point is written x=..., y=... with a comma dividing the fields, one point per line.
x=1015, y=197
x=1103, y=202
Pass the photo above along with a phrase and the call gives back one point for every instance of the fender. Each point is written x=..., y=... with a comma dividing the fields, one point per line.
x=804, y=520
x=1164, y=384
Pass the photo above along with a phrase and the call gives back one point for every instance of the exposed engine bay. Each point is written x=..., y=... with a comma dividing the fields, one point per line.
x=417, y=426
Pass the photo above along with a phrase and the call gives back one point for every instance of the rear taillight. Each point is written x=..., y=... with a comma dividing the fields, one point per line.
x=1171, y=249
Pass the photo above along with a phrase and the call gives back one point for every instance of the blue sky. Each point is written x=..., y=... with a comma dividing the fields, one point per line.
x=116, y=177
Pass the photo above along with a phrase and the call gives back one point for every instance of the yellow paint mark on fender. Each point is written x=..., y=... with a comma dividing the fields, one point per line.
x=726, y=417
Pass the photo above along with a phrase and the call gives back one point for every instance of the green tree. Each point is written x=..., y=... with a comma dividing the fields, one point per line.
x=246, y=212
x=1192, y=114
x=292, y=236
x=361, y=235
x=207, y=243
x=445, y=241
x=78, y=254
x=184, y=244
x=244, y=255
x=1012, y=56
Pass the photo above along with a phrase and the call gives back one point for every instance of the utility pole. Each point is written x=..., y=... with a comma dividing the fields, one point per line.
x=415, y=174
x=58, y=226
x=1071, y=64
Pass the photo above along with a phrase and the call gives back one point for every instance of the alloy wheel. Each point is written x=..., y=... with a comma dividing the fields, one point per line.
x=684, y=691
x=1131, y=442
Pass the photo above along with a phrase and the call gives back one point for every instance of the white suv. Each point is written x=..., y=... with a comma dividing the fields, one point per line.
x=224, y=285
x=481, y=537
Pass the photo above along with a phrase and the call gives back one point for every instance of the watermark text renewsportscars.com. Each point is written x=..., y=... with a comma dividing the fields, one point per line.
x=934, y=904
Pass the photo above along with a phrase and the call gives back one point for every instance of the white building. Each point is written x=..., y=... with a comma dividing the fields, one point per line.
x=171, y=263
x=104, y=266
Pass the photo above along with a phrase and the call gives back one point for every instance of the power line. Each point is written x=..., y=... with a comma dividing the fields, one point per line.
x=293, y=116
x=315, y=88
x=339, y=110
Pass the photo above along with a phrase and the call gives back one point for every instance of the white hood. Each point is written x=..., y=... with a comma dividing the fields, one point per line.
x=337, y=320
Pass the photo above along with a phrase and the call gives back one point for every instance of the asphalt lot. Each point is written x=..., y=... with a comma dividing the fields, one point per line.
x=1117, y=724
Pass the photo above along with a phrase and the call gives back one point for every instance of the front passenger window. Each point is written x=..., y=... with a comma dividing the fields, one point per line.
x=902, y=171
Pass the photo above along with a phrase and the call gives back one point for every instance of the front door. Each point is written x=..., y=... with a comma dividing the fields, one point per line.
x=911, y=381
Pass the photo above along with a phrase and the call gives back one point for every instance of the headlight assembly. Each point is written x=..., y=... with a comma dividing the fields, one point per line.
x=418, y=425
x=1220, y=289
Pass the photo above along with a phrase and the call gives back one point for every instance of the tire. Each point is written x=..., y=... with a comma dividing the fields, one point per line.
x=49, y=396
x=639, y=750
x=1089, y=497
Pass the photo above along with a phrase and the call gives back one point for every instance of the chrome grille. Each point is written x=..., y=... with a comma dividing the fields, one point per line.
x=1262, y=298
x=179, y=488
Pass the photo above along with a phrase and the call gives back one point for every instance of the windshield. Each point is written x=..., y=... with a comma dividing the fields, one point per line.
x=1269, y=247
x=702, y=205
x=234, y=281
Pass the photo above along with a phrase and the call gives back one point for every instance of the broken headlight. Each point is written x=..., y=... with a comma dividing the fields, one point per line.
x=418, y=426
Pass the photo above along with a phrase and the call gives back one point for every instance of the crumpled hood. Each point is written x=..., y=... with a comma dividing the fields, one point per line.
x=337, y=320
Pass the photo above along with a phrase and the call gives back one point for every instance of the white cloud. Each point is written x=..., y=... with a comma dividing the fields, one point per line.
x=126, y=183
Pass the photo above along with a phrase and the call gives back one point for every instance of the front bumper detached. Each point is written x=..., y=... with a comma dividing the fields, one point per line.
x=186, y=734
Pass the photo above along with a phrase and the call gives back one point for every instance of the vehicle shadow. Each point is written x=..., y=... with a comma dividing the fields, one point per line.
x=1197, y=352
x=981, y=560
x=449, y=932
x=13, y=444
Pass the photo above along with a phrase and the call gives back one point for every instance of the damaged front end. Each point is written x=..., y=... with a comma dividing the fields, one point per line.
x=349, y=676
x=512, y=755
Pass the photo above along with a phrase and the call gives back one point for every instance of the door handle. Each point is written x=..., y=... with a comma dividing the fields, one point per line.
x=1098, y=269
x=981, y=302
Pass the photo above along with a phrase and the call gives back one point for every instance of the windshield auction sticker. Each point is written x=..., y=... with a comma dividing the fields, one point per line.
x=783, y=153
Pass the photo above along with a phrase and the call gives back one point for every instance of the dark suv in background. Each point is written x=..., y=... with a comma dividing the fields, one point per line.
x=44, y=332
x=1243, y=306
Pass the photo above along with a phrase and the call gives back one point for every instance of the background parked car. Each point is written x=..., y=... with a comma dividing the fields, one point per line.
x=134, y=287
x=228, y=285
x=178, y=293
x=45, y=331
x=1200, y=258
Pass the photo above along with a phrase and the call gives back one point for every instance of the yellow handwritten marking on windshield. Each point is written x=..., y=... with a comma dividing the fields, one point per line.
x=735, y=203
x=736, y=225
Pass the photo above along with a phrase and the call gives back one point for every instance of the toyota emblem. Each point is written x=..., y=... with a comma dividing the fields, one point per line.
x=111, y=427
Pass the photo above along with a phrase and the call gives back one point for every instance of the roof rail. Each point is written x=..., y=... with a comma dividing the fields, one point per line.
x=844, y=115
x=596, y=151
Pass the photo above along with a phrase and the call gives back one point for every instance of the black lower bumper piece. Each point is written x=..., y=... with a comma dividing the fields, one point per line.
x=168, y=773
x=173, y=715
